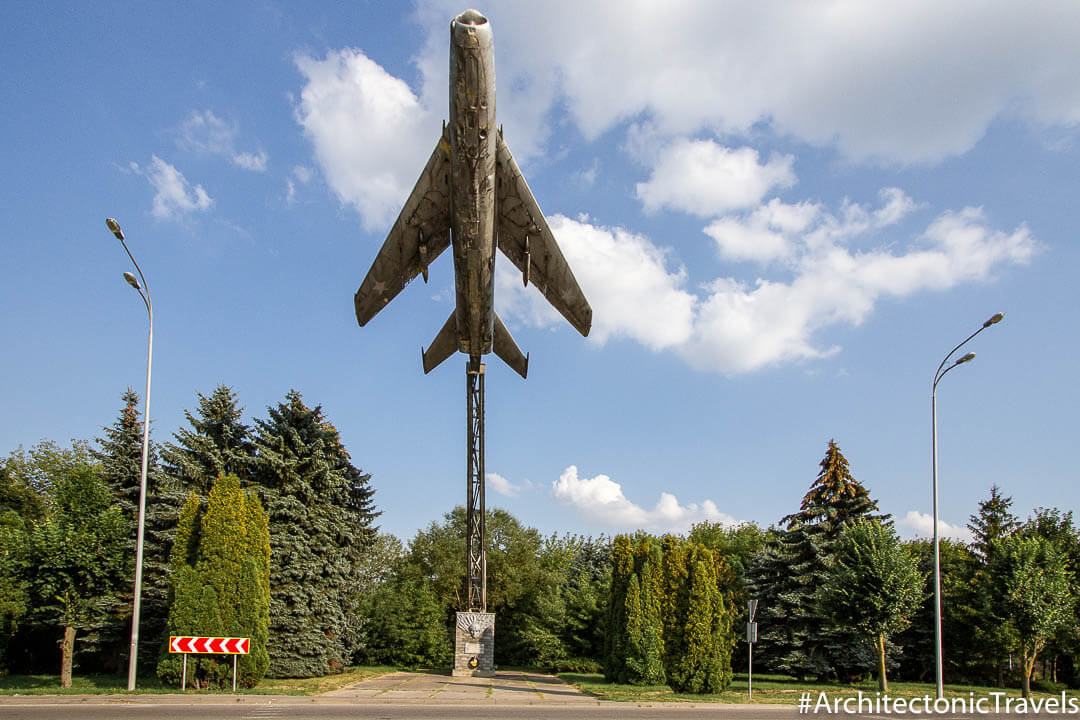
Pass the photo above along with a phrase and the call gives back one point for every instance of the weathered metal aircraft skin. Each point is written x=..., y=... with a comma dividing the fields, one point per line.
x=472, y=195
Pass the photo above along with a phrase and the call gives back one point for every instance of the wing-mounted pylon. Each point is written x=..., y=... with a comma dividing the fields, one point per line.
x=419, y=235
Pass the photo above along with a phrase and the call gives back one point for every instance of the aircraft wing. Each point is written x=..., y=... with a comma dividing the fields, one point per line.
x=420, y=233
x=525, y=238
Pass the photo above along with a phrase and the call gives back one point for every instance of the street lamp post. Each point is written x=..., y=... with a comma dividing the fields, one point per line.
x=144, y=293
x=996, y=318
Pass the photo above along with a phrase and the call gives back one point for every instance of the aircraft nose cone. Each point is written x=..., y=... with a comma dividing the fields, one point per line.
x=472, y=17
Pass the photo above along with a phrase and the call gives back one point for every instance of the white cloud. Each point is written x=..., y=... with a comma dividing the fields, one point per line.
x=906, y=82
x=731, y=326
x=922, y=524
x=625, y=278
x=371, y=134
x=174, y=196
x=504, y=487
x=300, y=174
x=740, y=328
x=705, y=178
x=763, y=235
x=251, y=161
x=600, y=500
x=205, y=132
x=586, y=177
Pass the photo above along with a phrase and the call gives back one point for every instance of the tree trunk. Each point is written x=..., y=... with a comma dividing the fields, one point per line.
x=1028, y=667
x=879, y=645
x=67, y=652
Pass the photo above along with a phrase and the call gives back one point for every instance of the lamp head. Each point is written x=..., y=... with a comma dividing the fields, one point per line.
x=967, y=358
x=132, y=281
x=994, y=320
x=115, y=228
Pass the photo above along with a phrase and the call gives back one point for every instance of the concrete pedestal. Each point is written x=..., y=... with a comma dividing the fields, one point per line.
x=474, y=645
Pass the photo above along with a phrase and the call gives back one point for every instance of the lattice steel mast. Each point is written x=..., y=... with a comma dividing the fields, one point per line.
x=475, y=536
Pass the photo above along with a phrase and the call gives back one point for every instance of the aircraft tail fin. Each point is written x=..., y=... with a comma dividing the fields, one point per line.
x=505, y=347
x=443, y=346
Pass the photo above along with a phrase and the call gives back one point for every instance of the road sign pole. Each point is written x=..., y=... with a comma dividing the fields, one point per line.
x=183, y=676
x=751, y=638
x=234, y=657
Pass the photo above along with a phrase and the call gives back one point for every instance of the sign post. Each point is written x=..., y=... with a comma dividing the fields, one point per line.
x=195, y=645
x=751, y=638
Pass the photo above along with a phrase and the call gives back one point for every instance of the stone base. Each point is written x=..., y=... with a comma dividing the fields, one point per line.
x=474, y=645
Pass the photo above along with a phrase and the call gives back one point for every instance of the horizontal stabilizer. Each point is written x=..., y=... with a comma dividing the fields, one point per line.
x=443, y=346
x=505, y=347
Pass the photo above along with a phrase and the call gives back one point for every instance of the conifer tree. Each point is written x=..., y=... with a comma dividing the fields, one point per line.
x=615, y=638
x=795, y=637
x=221, y=569
x=668, y=620
x=993, y=522
x=644, y=621
x=321, y=512
x=701, y=669
x=676, y=601
x=187, y=604
x=217, y=444
x=120, y=458
x=701, y=625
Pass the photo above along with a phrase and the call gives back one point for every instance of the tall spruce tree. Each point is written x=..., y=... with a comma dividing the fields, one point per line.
x=993, y=522
x=321, y=513
x=120, y=458
x=217, y=444
x=795, y=637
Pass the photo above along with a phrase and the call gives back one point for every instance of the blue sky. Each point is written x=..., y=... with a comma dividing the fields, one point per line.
x=784, y=215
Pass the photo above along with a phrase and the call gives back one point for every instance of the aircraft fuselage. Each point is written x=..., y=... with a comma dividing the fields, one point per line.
x=472, y=179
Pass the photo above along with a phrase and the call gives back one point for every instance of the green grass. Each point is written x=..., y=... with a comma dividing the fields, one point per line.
x=117, y=684
x=773, y=689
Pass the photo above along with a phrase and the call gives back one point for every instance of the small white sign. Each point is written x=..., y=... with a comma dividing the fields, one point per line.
x=473, y=648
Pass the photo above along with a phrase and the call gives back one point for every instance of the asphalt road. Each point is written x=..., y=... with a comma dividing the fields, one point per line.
x=46, y=710
x=404, y=696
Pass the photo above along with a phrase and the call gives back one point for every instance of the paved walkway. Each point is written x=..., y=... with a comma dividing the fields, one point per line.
x=506, y=688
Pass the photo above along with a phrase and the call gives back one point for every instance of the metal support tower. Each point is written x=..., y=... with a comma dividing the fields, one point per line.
x=475, y=546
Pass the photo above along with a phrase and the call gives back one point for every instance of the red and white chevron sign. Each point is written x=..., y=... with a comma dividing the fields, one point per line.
x=208, y=645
